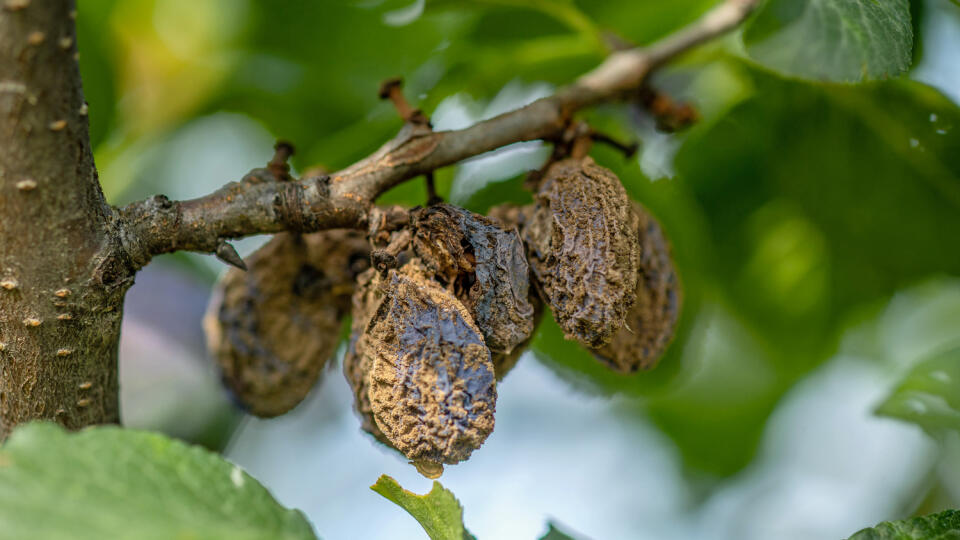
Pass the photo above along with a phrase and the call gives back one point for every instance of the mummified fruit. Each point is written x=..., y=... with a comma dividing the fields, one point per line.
x=486, y=268
x=651, y=323
x=432, y=385
x=356, y=364
x=513, y=217
x=583, y=249
x=272, y=328
x=504, y=362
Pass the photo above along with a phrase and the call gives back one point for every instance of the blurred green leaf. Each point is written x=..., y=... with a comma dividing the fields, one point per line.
x=564, y=11
x=942, y=526
x=833, y=40
x=554, y=533
x=719, y=403
x=803, y=225
x=929, y=395
x=643, y=21
x=439, y=512
x=97, y=68
x=108, y=482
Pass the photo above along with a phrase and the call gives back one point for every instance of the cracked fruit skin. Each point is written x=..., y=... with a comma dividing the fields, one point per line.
x=652, y=321
x=432, y=387
x=582, y=245
x=272, y=328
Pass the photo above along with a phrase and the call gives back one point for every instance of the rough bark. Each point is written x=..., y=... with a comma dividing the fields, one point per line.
x=61, y=299
x=67, y=258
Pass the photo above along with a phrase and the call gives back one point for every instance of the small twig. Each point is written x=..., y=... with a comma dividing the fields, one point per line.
x=671, y=116
x=392, y=89
x=432, y=197
x=624, y=70
x=278, y=165
x=628, y=149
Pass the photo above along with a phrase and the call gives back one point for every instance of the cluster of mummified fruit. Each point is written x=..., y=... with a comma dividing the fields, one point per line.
x=443, y=305
x=432, y=336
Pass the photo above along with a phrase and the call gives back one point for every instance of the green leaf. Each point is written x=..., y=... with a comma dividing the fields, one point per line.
x=438, y=512
x=809, y=204
x=109, y=482
x=929, y=395
x=822, y=199
x=554, y=533
x=942, y=526
x=833, y=40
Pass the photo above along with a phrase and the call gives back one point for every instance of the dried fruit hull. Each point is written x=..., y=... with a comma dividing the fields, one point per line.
x=652, y=321
x=582, y=243
x=272, y=328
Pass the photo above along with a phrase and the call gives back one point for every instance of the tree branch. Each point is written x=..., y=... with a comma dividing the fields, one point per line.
x=262, y=203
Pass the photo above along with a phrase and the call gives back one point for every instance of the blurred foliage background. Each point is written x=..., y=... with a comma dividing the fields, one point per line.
x=816, y=227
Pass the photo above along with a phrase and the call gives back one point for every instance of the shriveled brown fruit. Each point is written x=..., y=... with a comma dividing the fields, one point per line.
x=272, y=328
x=513, y=217
x=503, y=363
x=357, y=365
x=432, y=388
x=652, y=321
x=484, y=265
x=582, y=242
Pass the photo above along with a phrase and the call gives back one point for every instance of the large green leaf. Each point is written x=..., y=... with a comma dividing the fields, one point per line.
x=942, y=526
x=813, y=203
x=929, y=395
x=439, y=512
x=821, y=199
x=108, y=482
x=833, y=40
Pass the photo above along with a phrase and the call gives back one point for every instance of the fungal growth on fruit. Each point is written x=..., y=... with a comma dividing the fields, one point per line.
x=272, y=328
x=582, y=243
x=432, y=387
x=651, y=323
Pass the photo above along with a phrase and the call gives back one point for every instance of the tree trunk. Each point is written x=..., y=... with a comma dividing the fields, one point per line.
x=60, y=296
